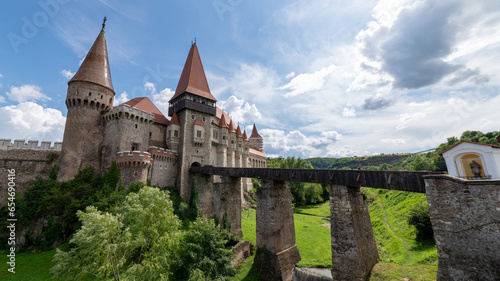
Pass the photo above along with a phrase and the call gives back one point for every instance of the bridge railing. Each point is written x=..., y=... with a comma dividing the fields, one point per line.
x=393, y=180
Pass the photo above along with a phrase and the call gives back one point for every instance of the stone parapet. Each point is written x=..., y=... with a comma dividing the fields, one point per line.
x=139, y=159
x=5, y=144
x=125, y=111
x=163, y=155
x=465, y=217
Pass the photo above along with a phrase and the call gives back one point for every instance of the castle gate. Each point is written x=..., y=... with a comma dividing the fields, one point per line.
x=465, y=216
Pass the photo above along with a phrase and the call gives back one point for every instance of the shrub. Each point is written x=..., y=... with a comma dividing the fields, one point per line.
x=420, y=219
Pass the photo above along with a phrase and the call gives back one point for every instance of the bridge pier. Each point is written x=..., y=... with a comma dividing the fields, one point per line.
x=465, y=217
x=277, y=253
x=217, y=198
x=354, y=251
x=227, y=199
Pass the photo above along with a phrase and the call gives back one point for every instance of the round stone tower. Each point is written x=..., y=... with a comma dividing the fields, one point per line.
x=90, y=92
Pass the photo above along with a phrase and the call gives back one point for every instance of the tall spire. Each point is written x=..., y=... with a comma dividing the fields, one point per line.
x=255, y=134
x=193, y=79
x=95, y=66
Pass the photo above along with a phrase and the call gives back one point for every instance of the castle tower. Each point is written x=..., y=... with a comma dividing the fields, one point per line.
x=90, y=92
x=195, y=106
x=256, y=140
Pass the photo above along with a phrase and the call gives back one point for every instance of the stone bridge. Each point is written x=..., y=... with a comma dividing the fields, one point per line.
x=465, y=216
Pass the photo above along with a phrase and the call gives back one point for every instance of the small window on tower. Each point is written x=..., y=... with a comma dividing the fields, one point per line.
x=102, y=97
x=192, y=116
x=150, y=134
x=135, y=146
x=76, y=92
x=90, y=94
x=203, y=119
x=198, y=134
x=136, y=126
x=224, y=137
x=176, y=133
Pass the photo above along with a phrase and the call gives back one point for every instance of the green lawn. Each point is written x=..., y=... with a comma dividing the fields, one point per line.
x=312, y=238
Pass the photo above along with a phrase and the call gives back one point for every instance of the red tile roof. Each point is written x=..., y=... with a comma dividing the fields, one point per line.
x=231, y=127
x=255, y=134
x=492, y=145
x=256, y=152
x=193, y=79
x=222, y=121
x=245, y=135
x=95, y=66
x=238, y=132
x=198, y=122
x=145, y=104
x=219, y=113
x=175, y=119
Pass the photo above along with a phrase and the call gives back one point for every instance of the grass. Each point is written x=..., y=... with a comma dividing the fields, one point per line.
x=321, y=210
x=311, y=237
x=29, y=267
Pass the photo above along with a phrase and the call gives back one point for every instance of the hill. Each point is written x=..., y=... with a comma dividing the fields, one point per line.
x=354, y=162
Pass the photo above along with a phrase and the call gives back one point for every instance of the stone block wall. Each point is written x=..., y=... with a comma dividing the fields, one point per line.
x=133, y=166
x=28, y=164
x=354, y=251
x=163, y=171
x=465, y=217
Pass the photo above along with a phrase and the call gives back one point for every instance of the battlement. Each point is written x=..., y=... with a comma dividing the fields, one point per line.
x=138, y=159
x=127, y=112
x=163, y=155
x=5, y=144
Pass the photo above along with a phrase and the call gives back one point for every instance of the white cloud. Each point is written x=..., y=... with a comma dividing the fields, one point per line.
x=28, y=120
x=307, y=82
x=278, y=142
x=120, y=99
x=26, y=93
x=349, y=111
x=393, y=141
x=161, y=100
x=240, y=111
x=2, y=99
x=67, y=73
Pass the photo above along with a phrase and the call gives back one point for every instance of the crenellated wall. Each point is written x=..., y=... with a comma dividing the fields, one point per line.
x=29, y=160
x=133, y=166
x=124, y=126
x=163, y=171
x=465, y=217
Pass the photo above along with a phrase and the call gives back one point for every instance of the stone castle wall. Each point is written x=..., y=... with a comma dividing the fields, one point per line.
x=133, y=166
x=163, y=171
x=28, y=160
x=465, y=217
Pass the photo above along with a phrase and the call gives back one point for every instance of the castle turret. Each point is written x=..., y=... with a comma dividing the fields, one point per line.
x=173, y=131
x=195, y=106
x=256, y=140
x=90, y=92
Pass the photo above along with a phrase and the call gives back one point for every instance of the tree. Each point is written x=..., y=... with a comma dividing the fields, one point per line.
x=140, y=241
x=204, y=252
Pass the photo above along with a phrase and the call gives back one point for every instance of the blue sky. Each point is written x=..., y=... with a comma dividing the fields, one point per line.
x=319, y=78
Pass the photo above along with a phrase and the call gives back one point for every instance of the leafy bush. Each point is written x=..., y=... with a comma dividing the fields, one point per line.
x=420, y=219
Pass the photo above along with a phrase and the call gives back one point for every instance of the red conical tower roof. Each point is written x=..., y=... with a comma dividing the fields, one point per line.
x=175, y=119
x=245, y=135
x=222, y=122
x=255, y=134
x=193, y=79
x=231, y=127
x=238, y=132
x=95, y=66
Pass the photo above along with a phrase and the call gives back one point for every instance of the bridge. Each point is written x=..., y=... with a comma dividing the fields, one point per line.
x=456, y=208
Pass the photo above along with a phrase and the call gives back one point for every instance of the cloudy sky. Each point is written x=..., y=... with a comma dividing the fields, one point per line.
x=318, y=78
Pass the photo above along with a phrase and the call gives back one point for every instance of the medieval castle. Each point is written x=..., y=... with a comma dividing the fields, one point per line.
x=145, y=144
